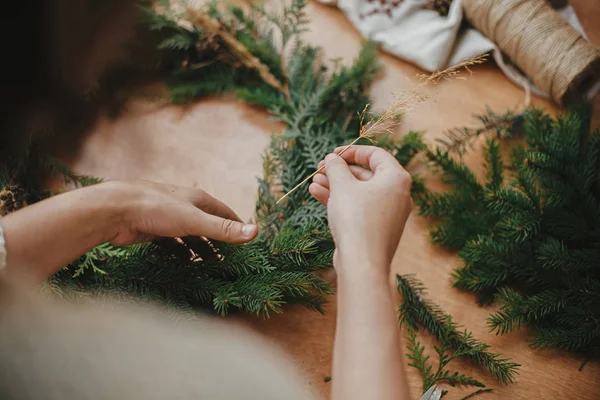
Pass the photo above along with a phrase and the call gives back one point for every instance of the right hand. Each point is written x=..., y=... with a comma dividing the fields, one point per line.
x=367, y=194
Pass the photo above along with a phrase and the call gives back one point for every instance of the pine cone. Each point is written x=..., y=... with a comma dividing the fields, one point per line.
x=12, y=198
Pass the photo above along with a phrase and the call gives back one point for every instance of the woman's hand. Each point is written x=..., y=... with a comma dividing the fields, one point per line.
x=151, y=210
x=367, y=193
x=46, y=236
x=368, y=203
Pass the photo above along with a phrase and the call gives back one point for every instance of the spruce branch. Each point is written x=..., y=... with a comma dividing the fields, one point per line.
x=416, y=310
x=506, y=125
x=93, y=258
x=530, y=243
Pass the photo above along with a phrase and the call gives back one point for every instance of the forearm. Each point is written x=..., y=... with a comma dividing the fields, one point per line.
x=43, y=237
x=367, y=361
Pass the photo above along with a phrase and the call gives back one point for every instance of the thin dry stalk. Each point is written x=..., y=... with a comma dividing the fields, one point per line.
x=389, y=120
x=214, y=27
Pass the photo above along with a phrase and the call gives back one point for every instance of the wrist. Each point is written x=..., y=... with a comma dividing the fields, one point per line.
x=59, y=229
x=359, y=264
x=106, y=203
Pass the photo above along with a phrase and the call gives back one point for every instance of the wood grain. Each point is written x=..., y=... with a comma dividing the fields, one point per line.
x=217, y=145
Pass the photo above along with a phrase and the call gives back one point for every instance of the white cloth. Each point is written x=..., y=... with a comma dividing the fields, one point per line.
x=432, y=42
x=2, y=249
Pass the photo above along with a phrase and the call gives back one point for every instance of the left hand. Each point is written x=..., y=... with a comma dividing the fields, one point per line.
x=46, y=236
x=152, y=210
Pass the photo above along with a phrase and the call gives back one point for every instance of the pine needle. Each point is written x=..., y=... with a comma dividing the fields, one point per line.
x=389, y=120
x=214, y=27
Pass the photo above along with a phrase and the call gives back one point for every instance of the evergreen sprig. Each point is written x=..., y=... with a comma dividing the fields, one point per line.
x=419, y=361
x=492, y=124
x=417, y=311
x=534, y=247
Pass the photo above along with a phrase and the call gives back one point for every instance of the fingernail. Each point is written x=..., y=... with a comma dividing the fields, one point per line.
x=248, y=230
x=330, y=157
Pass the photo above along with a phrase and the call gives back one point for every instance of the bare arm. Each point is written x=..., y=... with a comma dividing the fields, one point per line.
x=43, y=237
x=367, y=209
x=367, y=362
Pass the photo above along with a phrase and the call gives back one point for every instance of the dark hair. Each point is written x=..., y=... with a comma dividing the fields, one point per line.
x=46, y=47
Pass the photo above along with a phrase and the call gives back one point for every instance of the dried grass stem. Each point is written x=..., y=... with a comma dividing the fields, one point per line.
x=214, y=27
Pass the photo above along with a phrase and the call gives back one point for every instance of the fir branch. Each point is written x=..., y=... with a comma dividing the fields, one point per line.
x=534, y=246
x=411, y=145
x=417, y=311
x=454, y=172
x=506, y=125
x=494, y=165
x=95, y=257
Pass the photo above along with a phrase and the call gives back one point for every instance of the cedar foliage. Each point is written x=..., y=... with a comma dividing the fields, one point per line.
x=529, y=235
x=320, y=113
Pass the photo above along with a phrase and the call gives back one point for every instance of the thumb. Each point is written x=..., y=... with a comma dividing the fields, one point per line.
x=337, y=169
x=221, y=229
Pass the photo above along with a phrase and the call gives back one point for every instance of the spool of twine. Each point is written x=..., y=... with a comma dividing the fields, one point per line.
x=556, y=58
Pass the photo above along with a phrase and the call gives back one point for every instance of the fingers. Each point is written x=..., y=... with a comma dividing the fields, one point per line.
x=360, y=173
x=373, y=157
x=200, y=223
x=211, y=205
x=337, y=169
x=320, y=193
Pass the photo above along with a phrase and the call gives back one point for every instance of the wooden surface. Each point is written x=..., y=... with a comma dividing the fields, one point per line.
x=217, y=145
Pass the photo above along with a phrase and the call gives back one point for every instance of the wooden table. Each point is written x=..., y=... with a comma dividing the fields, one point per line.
x=217, y=145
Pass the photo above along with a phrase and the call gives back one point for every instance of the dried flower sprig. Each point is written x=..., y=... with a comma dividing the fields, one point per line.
x=388, y=121
x=214, y=27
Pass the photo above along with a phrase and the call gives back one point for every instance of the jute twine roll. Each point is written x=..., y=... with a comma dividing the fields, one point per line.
x=556, y=58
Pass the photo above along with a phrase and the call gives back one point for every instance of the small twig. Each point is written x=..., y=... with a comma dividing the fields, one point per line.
x=476, y=393
x=389, y=119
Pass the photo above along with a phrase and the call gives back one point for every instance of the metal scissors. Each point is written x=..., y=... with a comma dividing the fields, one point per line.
x=433, y=393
